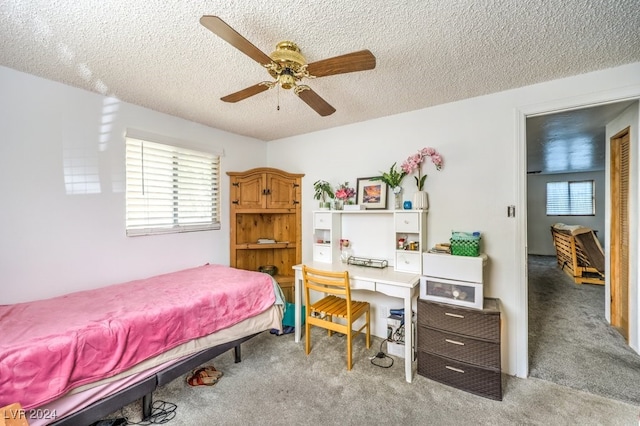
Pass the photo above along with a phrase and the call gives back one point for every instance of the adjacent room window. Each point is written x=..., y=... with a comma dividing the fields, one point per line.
x=170, y=188
x=570, y=198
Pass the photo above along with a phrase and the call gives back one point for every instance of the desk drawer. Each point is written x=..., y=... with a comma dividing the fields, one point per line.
x=460, y=348
x=408, y=261
x=362, y=285
x=407, y=222
x=481, y=324
x=322, y=220
x=322, y=253
x=479, y=381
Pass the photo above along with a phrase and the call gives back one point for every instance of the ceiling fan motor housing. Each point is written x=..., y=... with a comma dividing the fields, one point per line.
x=290, y=64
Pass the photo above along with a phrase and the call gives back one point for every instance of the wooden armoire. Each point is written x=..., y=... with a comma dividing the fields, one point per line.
x=266, y=222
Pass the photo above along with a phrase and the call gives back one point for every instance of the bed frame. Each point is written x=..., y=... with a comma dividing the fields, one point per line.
x=573, y=259
x=144, y=389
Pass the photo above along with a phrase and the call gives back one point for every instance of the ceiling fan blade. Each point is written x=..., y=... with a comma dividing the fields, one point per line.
x=357, y=61
x=231, y=36
x=245, y=93
x=316, y=102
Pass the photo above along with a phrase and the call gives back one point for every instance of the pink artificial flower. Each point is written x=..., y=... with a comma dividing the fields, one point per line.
x=414, y=162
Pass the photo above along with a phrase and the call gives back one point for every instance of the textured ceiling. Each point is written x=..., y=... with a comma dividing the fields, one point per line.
x=156, y=54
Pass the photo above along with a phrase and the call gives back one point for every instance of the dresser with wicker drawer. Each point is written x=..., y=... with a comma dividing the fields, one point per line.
x=460, y=346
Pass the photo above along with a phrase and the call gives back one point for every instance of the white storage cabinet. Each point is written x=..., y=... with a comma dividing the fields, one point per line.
x=457, y=280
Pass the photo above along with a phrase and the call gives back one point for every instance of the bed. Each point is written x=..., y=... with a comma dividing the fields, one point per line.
x=75, y=358
x=579, y=253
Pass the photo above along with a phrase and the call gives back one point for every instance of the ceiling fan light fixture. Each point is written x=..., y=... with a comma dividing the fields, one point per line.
x=287, y=81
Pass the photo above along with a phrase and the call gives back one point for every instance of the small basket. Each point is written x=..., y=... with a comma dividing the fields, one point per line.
x=465, y=244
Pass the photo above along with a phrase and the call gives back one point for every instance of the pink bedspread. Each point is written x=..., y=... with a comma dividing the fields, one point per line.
x=48, y=347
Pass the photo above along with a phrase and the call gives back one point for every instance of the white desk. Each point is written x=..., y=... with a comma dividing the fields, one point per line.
x=386, y=281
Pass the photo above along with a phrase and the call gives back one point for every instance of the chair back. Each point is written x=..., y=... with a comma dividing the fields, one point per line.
x=328, y=282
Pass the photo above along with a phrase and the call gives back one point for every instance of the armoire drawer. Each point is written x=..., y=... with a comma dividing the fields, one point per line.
x=461, y=348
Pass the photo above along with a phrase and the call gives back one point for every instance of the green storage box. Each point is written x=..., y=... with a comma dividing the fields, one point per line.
x=465, y=243
x=289, y=319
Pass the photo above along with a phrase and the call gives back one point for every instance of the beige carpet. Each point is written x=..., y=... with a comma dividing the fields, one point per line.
x=570, y=341
x=277, y=384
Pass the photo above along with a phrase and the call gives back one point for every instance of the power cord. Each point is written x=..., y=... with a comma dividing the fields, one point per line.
x=161, y=412
x=381, y=355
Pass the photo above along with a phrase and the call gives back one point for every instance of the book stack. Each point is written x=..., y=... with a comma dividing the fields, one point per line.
x=266, y=241
x=441, y=248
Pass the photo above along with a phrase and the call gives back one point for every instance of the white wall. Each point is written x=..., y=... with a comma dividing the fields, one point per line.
x=52, y=242
x=539, y=224
x=482, y=143
x=629, y=118
x=56, y=239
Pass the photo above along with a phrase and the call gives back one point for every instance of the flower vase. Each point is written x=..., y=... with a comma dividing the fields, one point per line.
x=421, y=200
x=345, y=251
x=398, y=201
x=337, y=205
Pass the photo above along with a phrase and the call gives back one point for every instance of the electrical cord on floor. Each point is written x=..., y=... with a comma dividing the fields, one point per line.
x=381, y=355
x=161, y=412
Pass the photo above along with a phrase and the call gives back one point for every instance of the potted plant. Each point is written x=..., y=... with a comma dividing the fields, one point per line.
x=323, y=192
x=413, y=164
x=393, y=178
x=344, y=194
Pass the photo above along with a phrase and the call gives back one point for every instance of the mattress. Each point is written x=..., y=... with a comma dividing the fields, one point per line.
x=84, y=396
x=55, y=345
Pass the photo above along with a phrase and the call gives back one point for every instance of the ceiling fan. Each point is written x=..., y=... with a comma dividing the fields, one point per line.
x=288, y=67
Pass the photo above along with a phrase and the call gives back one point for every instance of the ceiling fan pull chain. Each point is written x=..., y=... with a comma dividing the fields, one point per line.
x=278, y=109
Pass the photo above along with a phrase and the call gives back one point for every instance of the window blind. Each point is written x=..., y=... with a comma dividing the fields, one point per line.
x=170, y=189
x=570, y=198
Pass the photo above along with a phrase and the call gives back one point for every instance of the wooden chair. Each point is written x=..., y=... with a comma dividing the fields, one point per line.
x=13, y=415
x=337, y=304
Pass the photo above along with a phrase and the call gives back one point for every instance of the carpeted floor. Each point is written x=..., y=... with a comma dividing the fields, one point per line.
x=570, y=342
x=277, y=384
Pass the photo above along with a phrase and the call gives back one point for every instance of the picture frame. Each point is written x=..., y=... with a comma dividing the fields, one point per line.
x=371, y=193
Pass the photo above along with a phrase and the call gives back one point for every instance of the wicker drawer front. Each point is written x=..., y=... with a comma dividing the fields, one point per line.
x=471, y=351
x=479, y=381
x=470, y=322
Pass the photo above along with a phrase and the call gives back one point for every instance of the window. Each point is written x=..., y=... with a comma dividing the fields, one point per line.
x=570, y=198
x=170, y=189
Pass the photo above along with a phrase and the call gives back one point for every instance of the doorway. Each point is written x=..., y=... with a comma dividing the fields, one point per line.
x=562, y=353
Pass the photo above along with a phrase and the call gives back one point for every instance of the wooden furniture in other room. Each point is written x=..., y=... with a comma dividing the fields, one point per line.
x=579, y=253
x=460, y=346
x=266, y=205
x=336, y=304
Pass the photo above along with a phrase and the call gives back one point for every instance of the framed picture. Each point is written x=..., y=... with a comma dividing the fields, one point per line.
x=371, y=193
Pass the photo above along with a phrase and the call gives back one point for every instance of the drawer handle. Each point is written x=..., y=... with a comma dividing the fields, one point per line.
x=455, y=342
x=457, y=370
x=454, y=315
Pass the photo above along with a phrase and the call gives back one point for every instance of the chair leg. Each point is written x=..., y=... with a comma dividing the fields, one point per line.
x=368, y=319
x=307, y=337
x=349, y=349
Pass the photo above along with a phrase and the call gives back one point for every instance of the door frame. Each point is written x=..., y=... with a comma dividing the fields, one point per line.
x=631, y=93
